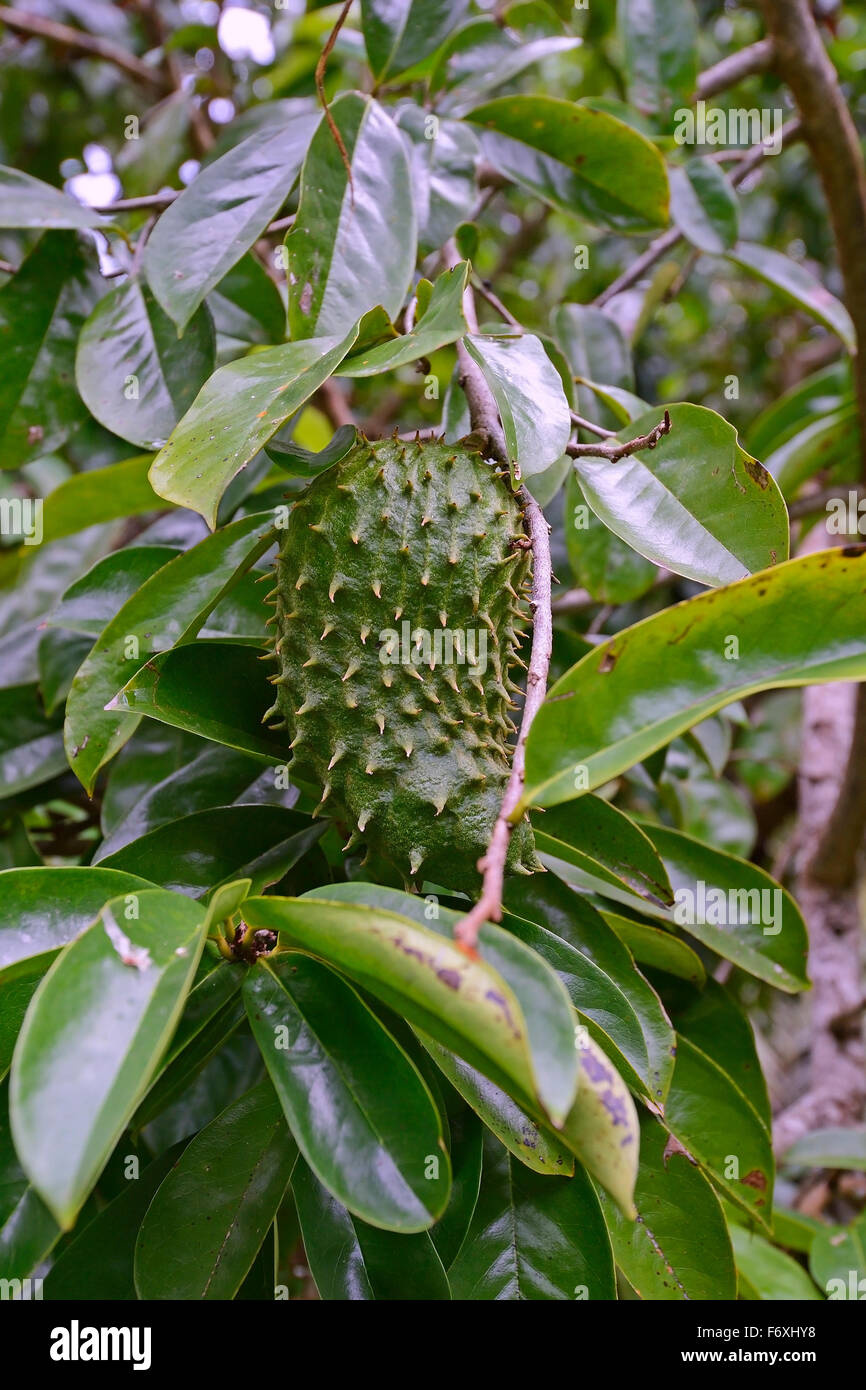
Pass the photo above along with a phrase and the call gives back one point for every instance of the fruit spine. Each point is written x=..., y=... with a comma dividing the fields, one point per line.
x=398, y=601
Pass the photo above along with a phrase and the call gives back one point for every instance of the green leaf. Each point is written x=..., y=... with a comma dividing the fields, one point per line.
x=193, y=853
x=441, y=323
x=596, y=837
x=796, y=283
x=400, y=33
x=93, y=1037
x=99, y=1262
x=582, y=161
x=134, y=374
x=247, y=307
x=736, y=909
x=98, y=495
x=529, y=1141
x=28, y=1231
x=464, y=1004
x=695, y=503
x=704, y=205
x=169, y=608
x=621, y=702
x=90, y=603
x=542, y=999
x=42, y=310
x=615, y=1003
x=15, y=996
x=351, y=1261
x=305, y=463
x=31, y=743
x=713, y=1022
x=838, y=1258
x=660, y=43
x=45, y=908
x=766, y=1273
x=234, y=415
x=352, y=246
x=209, y=1218
x=355, y=1103
x=528, y=391
x=596, y=349
x=608, y=568
x=659, y=949
x=214, y=777
x=710, y=1116
x=465, y=1143
x=533, y=1237
x=679, y=1248
x=828, y=1148
x=28, y=202
x=214, y=689
x=443, y=157
x=207, y=230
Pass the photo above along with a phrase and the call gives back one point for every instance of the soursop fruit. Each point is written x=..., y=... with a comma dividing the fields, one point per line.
x=398, y=603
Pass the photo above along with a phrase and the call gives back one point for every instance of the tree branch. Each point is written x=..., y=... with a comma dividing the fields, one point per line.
x=731, y=70
x=34, y=26
x=484, y=418
x=614, y=452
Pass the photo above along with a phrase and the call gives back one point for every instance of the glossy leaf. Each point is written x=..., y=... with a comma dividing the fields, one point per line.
x=400, y=33
x=465, y=1146
x=352, y=245
x=595, y=836
x=133, y=372
x=443, y=173
x=194, y=852
x=621, y=702
x=464, y=1004
x=764, y=933
x=42, y=310
x=837, y=1261
x=533, y=1237
x=89, y=603
x=28, y=1231
x=660, y=44
x=207, y=230
x=45, y=908
x=582, y=161
x=93, y=1037
x=596, y=348
x=676, y=1207
x=529, y=1141
x=442, y=322
x=235, y=414
x=766, y=1273
x=351, y=1261
x=209, y=1218
x=713, y=1022
x=169, y=608
x=28, y=202
x=246, y=306
x=607, y=567
x=659, y=949
x=615, y=1003
x=711, y=1117
x=31, y=743
x=356, y=1105
x=796, y=283
x=100, y=494
x=695, y=503
x=528, y=391
x=704, y=205
x=542, y=999
x=214, y=689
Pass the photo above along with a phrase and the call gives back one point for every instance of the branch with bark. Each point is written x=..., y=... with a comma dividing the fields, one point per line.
x=88, y=45
x=833, y=768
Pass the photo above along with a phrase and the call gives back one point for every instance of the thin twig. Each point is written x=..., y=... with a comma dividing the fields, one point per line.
x=614, y=452
x=731, y=70
x=33, y=25
x=588, y=425
x=148, y=200
x=489, y=906
x=482, y=287
x=484, y=418
x=320, y=90
x=8, y=268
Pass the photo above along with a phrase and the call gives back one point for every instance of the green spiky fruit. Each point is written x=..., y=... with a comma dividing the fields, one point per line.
x=398, y=601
